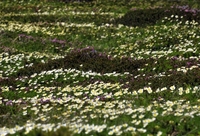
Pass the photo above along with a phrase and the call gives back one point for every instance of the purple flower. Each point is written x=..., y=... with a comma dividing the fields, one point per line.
x=22, y=35
x=186, y=10
x=61, y=42
x=174, y=58
x=9, y=103
x=188, y=64
x=29, y=37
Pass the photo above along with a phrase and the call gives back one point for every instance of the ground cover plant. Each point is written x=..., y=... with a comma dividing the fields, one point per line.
x=70, y=67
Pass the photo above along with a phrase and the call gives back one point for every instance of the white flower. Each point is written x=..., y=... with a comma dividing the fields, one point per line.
x=131, y=129
x=155, y=114
x=110, y=133
x=163, y=89
x=140, y=91
x=138, y=122
x=187, y=91
x=118, y=93
x=159, y=133
x=134, y=116
x=142, y=130
x=169, y=103
x=172, y=87
x=149, y=90
x=141, y=116
x=134, y=93
x=180, y=90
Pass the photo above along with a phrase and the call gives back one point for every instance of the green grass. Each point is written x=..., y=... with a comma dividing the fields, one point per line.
x=99, y=68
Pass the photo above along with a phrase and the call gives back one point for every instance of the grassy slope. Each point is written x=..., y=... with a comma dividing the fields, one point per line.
x=78, y=69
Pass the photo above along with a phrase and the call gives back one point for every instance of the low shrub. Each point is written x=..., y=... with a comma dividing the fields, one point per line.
x=90, y=59
x=143, y=17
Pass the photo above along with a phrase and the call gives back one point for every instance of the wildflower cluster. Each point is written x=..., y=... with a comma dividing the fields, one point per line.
x=72, y=69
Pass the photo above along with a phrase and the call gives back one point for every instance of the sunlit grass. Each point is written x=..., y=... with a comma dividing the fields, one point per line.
x=70, y=69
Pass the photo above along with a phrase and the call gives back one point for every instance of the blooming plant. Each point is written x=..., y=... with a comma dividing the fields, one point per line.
x=79, y=68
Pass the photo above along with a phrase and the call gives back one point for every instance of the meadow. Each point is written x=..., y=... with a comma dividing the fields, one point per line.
x=99, y=67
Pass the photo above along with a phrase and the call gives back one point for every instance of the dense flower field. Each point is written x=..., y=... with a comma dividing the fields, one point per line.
x=76, y=68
